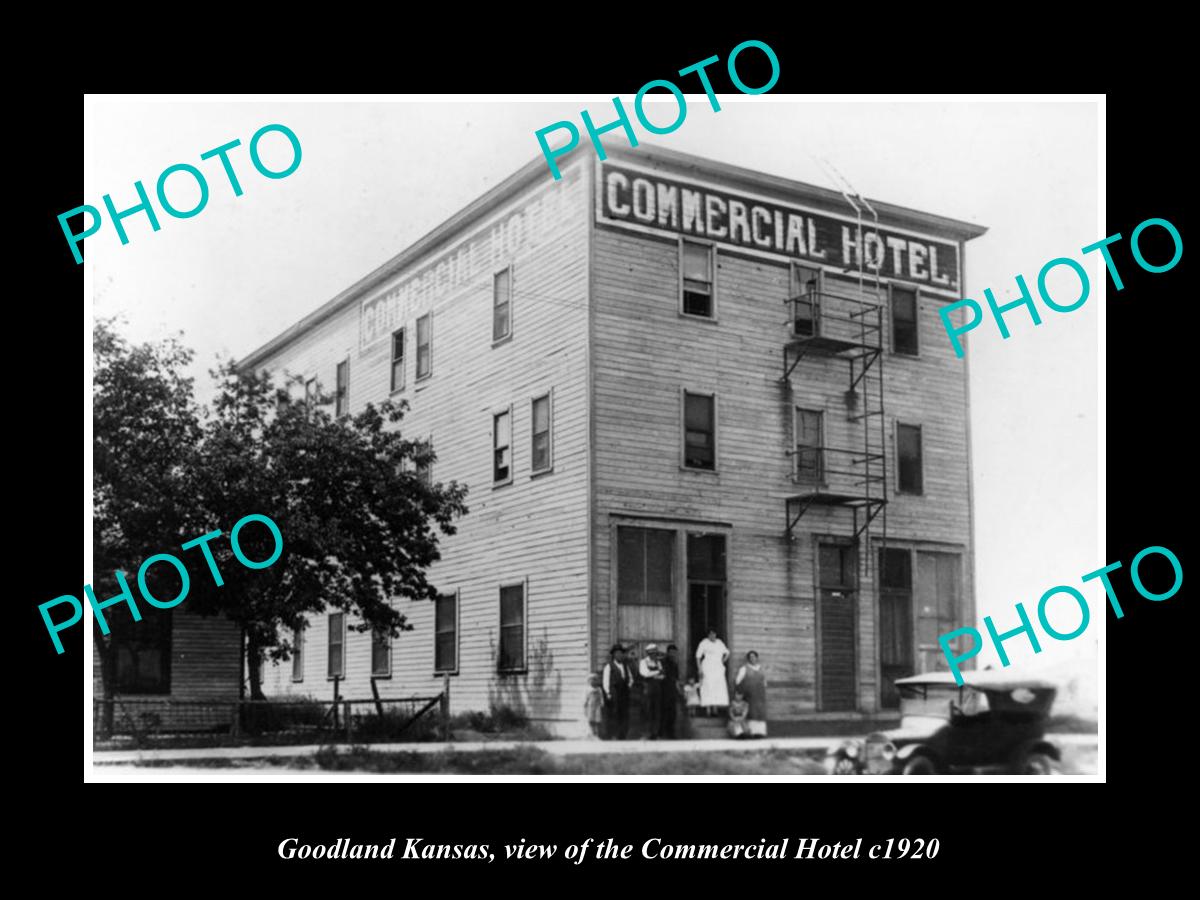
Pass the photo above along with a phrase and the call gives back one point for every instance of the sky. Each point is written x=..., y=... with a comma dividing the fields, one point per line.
x=377, y=175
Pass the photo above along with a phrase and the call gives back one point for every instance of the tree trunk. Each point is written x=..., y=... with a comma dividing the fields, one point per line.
x=108, y=678
x=254, y=662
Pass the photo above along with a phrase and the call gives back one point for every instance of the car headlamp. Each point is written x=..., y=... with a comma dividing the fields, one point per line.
x=888, y=751
x=852, y=751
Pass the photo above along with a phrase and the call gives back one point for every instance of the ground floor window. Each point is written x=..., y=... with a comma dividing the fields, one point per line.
x=141, y=650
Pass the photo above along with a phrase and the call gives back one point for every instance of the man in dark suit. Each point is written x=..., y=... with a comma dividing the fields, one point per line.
x=670, y=691
x=615, y=681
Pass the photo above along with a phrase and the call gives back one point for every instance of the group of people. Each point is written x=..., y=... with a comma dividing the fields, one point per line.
x=608, y=701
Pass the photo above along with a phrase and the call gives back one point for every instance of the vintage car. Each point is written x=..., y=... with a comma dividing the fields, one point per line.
x=993, y=722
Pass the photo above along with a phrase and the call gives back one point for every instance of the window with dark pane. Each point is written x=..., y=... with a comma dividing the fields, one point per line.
x=501, y=304
x=699, y=450
x=904, y=320
x=381, y=654
x=445, y=630
x=337, y=645
x=298, y=654
x=839, y=567
x=697, y=279
x=805, y=296
x=540, y=451
x=424, y=345
x=908, y=450
x=141, y=650
x=512, y=627
x=810, y=445
x=342, y=402
x=397, y=359
x=501, y=447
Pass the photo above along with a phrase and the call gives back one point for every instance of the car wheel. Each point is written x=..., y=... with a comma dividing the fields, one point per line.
x=845, y=766
x=919, y=765
x=1038, y=764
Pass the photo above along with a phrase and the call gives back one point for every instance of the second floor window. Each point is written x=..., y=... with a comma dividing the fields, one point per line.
x=342, y=403
x=696, y=261
x=904, y=320
x=502, y=447
x=502, y=304
x=699, y=428
x=398, y=359
x=809, y=446
x=310, y=392
x=910, y=478
x=540, y=459
x=424, y=346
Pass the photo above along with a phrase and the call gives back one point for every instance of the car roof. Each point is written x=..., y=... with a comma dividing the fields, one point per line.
x=997, y=681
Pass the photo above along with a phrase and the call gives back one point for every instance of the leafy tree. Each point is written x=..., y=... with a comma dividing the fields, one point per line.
x=359, y=523
x=360, y=526
x=145, y=426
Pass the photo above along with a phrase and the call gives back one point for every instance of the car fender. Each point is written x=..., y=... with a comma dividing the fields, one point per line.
x=909, y=750
x=1041, y=746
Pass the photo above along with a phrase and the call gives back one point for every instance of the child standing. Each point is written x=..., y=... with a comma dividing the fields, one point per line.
x=593, y=706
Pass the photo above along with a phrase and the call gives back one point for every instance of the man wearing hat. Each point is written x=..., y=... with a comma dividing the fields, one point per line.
x=653, y=678
x=615, y=681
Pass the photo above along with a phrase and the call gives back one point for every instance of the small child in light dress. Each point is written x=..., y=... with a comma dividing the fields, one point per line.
x=593, y=706
x=691, y=696
x=738, y=710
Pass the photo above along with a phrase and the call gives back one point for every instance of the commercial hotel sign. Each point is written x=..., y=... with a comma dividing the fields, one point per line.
x=650, y=201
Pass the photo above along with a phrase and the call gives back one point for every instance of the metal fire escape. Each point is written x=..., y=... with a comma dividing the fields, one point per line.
x=824, y=325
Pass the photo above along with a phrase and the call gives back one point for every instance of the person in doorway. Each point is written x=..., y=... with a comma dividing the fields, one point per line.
x=652, y=678
x=593, y=706
x=671, y=690
x=711, y=656
x=615, y=681
x=751, y=682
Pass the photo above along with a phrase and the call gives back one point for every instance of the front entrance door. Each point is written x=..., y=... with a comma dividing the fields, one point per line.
x=895, y=623
x=706, y=592
x=837, y=612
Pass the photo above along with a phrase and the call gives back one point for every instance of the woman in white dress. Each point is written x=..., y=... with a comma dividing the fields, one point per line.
x=711, y=657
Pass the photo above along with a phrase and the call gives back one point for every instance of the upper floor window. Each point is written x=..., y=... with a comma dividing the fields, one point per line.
x=502, y=304
x=904, y=320
x=810, y=445
x=699, y=429
x=540, y=452
x=502, y=447
x=398, y=359
x=696, y=264
x=342, y=401
x=910, y=465
x=424, y=346
x=310, y=392
x=806, y=299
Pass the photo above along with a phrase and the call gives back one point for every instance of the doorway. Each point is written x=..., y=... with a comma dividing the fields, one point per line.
x=837, y=614
x=896, y=658
x=706, y=593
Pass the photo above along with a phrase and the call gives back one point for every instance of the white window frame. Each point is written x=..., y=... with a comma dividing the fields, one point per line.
x=457, y=595
x=712, y=270
x=683, y=395
x=417, y=347
x=916, y=289
x=512, y=456
x=397, y=388
x=921, y=444
x=523, y=584
x=549, y=467
x=511, y=269
x=330, y=676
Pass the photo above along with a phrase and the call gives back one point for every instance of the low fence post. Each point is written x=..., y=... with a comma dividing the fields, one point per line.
x=235, y=726
x=349, y=720
x=446, y=707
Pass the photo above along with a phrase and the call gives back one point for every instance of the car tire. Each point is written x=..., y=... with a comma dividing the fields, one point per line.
x=1037, y=764
x=919, y=765
x=844, y=765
